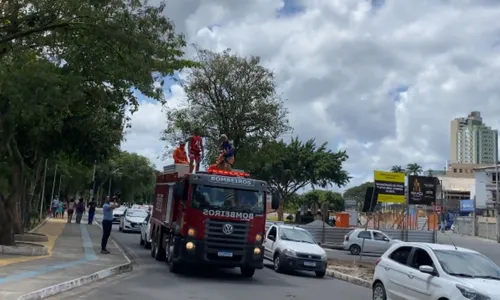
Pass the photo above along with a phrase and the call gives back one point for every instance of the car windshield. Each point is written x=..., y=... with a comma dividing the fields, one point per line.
x=477, y=265
x=207, y=197
x=296, y=235
x=137, y=213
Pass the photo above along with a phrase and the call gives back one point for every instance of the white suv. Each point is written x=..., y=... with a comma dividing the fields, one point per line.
x=413, y=271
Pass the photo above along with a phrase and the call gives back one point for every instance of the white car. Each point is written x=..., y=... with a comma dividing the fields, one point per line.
x=414, y=271
x=132, y=220
x=375, y=241
x=293, y=248
x=145, y=233
x=118, y=213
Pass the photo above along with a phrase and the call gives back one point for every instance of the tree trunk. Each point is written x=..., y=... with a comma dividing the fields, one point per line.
x=7, y=224
x=281, y=209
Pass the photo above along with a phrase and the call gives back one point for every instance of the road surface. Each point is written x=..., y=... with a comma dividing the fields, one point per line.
x=489, y=248
x=151, y=280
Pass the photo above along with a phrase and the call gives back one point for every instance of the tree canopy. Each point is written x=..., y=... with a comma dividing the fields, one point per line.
x=289, y=167
x=232, y=95
x=68, y=72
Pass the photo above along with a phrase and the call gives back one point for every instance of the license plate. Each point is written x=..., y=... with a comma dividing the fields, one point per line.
x=225, y=254
x=309, y=264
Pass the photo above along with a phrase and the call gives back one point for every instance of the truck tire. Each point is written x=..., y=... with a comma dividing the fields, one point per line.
x=159, y=251
x=173, y=267
x=153, y=237
x=247, y=272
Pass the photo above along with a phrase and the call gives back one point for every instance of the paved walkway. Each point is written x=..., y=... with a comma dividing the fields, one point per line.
x=74, y=252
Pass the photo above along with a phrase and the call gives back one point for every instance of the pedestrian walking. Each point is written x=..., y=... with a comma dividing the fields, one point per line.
x=60, y=210
x=107, y=222
x=80, y=210
x=54, y=207
x=71, y=209
x=92, y=205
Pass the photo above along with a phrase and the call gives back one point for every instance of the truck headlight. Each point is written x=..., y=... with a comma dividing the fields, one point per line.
x=289, y=252
x=191, y=232
x=471, y=294
x=258, y=238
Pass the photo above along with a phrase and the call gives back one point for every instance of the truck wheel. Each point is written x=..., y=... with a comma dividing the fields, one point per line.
x=247, y=272
x=153, y=237
x=159, y=251
x=141, y=241
x=173, y=267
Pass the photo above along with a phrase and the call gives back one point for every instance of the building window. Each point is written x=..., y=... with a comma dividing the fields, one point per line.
x=454, y=170
x=460, y=170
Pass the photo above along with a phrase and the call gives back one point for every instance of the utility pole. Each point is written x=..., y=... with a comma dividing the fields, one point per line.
x=42, y=195
x=59, y=188
x=54, y=184
x=109, y=187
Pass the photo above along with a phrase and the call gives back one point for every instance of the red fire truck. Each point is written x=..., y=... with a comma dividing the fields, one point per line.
x=215, y=217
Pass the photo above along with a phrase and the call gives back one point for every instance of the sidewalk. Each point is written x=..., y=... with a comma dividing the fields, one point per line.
x=74, y=253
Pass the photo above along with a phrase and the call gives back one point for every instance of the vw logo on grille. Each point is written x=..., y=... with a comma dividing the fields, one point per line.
x=227, y=229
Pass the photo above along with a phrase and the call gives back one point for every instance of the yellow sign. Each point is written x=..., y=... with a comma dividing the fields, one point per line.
x=390, y=187
x=390, y=177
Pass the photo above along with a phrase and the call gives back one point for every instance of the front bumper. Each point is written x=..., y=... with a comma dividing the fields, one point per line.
x=116, y=220
x=204, y=255
x=135, y=227
x=295, y=263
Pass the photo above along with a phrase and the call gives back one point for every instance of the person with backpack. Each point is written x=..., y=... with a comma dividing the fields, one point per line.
x=80, y=210
x=71, y=209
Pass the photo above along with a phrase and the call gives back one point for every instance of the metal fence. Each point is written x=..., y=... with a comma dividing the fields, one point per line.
x=485, y=227
x=334, y=236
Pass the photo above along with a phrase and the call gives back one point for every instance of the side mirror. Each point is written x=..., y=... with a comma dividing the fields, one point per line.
x=385, y=239
x=271, y=237
x=319, y=243
x=427, y=269
x=275, y=201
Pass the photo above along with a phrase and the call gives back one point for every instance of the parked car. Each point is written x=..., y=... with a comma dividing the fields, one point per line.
x=434, y=271
x=375, y=241
x=132, y=219
x=118, y=213
x=293, y=248
x=145, y=232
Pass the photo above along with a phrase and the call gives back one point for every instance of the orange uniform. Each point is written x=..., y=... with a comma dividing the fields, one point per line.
x=180, y=156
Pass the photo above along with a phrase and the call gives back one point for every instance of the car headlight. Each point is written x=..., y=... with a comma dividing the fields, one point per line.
x=127, y=220
x=471, y=294
x=323, y=256
x=289, y=252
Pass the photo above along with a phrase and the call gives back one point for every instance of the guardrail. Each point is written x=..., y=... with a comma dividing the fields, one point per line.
x=334, y=236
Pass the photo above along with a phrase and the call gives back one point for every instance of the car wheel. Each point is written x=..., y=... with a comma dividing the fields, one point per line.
x=320, y=274
x=379, y=291
x=278, y=268
x=355, y=249
x=142, y=241
x=147, y=245
x=120, y=229
x=159, y=251
x=153, y=246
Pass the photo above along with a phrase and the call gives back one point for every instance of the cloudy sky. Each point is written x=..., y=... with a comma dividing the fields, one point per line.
x=380, y=79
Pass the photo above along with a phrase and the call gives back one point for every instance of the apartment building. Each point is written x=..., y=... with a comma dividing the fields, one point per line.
x=471, y=141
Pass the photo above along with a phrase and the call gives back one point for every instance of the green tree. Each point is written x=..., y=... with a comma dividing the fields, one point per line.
x=430, y=173
x=289, y=167
x=357, y=193
x=397, y=169
x=319, y=198
x=66, y=75
x=232, y=95
x=414, y=169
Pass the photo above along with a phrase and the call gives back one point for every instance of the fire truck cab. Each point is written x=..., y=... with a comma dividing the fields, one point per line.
x=214, y=217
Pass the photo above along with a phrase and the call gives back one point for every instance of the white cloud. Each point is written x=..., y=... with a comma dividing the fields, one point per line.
x=339, y=62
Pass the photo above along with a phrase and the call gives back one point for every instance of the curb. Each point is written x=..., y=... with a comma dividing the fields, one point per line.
x=72, y=284
x=84, y=280
x=349, y=278
x=39, y=225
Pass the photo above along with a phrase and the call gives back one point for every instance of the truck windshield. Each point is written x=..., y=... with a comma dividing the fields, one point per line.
x=209, y=197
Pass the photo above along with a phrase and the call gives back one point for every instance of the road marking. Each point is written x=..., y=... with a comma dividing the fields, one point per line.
x=90, y=255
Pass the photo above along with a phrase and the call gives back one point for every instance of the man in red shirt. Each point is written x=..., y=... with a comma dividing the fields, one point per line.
x=195, y=146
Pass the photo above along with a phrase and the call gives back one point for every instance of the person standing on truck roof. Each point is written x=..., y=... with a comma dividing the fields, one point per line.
x=107, y=222
x=180, y=156
x=225, y=161
x=195, y=150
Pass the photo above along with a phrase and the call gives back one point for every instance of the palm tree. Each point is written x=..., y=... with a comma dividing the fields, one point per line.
x=413, y=169
x=397, y=169
x=430, y=173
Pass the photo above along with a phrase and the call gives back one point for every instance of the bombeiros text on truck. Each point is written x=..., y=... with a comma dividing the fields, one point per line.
x=215, y=217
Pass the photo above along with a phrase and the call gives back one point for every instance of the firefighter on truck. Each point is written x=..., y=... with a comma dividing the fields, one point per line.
x=217, y=217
